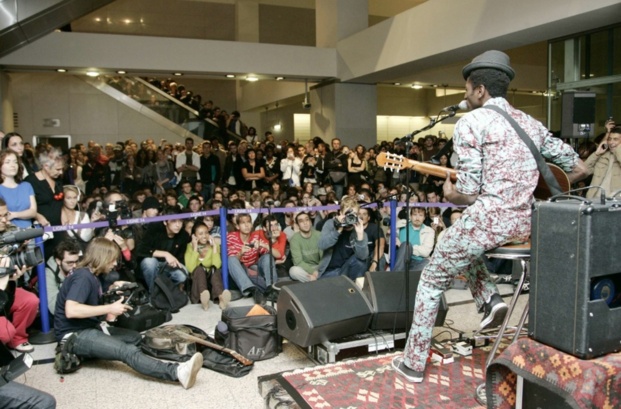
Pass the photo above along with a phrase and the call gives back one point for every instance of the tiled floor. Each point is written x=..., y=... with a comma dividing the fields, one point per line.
x=114, y=385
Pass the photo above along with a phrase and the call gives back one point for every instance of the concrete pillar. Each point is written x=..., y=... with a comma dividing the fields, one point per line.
x=345, y=111
x=338, y=19
x=247, y=21
x=6, y=104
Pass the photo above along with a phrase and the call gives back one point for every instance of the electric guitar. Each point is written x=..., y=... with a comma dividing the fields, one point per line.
x=398, y=163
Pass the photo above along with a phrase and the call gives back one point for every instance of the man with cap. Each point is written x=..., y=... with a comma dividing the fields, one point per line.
x=497, y=175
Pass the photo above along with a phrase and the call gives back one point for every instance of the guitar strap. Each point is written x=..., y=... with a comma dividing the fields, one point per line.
x=545, y=171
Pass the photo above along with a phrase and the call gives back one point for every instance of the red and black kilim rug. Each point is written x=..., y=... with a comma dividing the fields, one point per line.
x=372, y=383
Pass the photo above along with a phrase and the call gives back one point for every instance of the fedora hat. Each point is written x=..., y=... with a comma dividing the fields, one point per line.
x=493, y=59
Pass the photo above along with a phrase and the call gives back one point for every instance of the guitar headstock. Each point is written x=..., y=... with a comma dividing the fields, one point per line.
x=391, y=161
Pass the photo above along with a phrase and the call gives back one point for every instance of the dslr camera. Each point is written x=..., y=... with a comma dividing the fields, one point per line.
x=133, y=294
x=351, y=218
x=115, y=209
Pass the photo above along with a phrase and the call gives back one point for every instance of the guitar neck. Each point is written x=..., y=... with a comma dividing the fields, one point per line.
x=245, y=361
x=431, y=169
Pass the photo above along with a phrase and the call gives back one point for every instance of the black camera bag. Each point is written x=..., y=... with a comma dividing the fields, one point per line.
x=142, y=318
x=255, y=337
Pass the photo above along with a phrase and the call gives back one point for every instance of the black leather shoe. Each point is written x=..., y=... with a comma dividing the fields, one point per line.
x=494, y=313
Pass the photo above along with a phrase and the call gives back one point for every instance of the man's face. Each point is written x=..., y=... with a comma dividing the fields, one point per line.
x=474, y=95
x=274, y=228
x=244, y=225
x=187, y=188
x=151, y=212
x=304, y=223
x=417, y=217
x=614, y=139
x=363, y=215
x=173, y=226
x=432, y=197
x=189, y=144
x=336, y=144
x=206, y=149
x=68, y=263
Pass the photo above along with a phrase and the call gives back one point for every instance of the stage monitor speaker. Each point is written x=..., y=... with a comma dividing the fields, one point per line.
x=573, y=302
x=578, y=114
x=323, y=310
x=386, y=291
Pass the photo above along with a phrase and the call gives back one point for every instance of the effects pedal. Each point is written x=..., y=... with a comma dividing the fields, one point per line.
x=440, y=353
x=462, y=348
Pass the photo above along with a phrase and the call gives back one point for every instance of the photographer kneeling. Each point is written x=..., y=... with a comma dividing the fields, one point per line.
x=81, y=331
x=344, y=243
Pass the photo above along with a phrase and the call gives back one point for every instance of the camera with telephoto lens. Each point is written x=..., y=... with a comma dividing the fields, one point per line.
x=19, y=255
x=351, y=218
x=127, y=291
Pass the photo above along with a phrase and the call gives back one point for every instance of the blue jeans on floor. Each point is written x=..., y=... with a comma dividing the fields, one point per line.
x=151, y=266
x=415, y=265
x=353, y=268
x=121, y=345
x=239, y=272
x=14, y=395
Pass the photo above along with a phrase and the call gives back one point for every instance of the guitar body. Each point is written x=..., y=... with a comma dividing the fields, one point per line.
x=398, y=163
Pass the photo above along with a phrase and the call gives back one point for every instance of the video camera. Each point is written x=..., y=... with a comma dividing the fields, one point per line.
x=11, y=245
x=132, y=293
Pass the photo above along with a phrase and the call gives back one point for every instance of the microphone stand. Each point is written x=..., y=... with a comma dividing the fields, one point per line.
x=408, y=257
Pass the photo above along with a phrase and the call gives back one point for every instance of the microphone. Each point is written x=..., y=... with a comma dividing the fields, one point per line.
x=463, y=105
x=20, y=235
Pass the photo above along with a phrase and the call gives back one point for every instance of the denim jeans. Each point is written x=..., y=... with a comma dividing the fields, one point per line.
x=353, y=268
x=121, y=345
x=14, y=395
x=239, y=272
x=402, y=256
x=151, y=266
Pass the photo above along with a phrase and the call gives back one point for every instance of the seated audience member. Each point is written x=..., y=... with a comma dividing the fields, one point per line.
x=271, y=229
x=186, y=193
x=605, y=163
x=344, y=245
x=59, y=267
x=213, y=227
x=202, y=259
x=15, y=395
x=21, y=307
x=304, y=246
x=377, y=242
x=246, y=251
x=80, y=331
x=162, y=249
x=421, y=241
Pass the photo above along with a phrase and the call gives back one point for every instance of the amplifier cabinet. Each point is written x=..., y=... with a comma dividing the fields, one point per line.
x=576, y=246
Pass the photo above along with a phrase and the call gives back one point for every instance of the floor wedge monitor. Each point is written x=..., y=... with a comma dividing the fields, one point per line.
x=323, y=310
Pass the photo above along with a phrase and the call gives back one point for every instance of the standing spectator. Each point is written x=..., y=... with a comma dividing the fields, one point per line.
x=18, y=196
x=291, y=168
x=131, y=175
x=164, y=174
x=188, y=163
x=252, y=171
x=232, y=176
x=15, y=142
x=210, y=171
x=356, y=166
x=95, y=174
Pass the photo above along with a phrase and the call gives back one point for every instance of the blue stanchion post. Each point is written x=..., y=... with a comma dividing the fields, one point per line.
x=224, y=249
x=393, y=234
x=46, y=336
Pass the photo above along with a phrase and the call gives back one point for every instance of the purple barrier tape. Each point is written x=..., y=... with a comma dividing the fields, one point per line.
x=285, y=209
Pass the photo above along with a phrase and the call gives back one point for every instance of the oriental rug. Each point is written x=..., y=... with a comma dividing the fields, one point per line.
x=371, y=382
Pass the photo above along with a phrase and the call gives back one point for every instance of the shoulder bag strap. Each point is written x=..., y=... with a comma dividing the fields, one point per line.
x=551, y=181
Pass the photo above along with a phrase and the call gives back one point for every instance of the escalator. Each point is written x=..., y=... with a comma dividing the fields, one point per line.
x=164, y=109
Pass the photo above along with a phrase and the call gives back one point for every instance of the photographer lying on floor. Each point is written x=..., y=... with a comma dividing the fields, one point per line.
x=82, y=333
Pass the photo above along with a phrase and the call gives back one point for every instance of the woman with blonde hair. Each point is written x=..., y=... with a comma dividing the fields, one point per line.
x=71, y=214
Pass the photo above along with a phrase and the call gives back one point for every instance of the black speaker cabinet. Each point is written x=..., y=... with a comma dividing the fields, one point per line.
x=578, y=114
x=322, y=310
x=386, y=291
x=574, y=303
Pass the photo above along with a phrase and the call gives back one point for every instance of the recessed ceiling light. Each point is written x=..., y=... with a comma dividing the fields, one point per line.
x=396, y=83
x=230, y=75
x=92, y=73
x=417, y=86
x=177, y=74
x=127, y=21
x=61, y=70
x=280, y=78
x=434, y=85
x=251, y=78
x=97, y=19
x=121, y=72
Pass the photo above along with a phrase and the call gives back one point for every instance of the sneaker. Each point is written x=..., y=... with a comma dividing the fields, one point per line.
x=25, y=347
x=409, y=374
x=205, y=299
x=494, y=312
x=503, y=279
x=257, y=295
x=525, y=286
x=187, y=371
x=272, y=294
x=224, y=299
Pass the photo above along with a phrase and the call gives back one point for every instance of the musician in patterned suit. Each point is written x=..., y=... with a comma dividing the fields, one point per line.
x=497, y=175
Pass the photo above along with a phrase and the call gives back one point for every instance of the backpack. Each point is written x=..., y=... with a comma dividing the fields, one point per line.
x=166, y=295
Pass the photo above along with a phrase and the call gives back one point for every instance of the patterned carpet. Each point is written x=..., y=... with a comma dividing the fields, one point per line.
x=371, y=382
